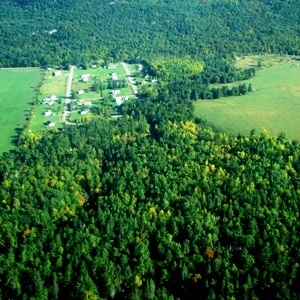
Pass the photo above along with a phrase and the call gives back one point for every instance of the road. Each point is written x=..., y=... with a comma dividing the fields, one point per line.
x=67, y=112
x=69, y=82
x=130, y=78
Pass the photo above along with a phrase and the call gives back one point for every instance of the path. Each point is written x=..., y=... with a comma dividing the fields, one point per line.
x=130, y=78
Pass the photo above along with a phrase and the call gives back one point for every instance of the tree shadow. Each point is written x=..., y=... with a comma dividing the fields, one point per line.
x=16, y=138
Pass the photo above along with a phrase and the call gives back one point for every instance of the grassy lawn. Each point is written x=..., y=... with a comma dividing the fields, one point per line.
x=51, y=86
x=17, y=90
x=274, y=105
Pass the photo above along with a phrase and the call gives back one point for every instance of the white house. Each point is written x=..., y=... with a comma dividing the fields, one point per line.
x=80, y=92
x=112, y=66
x=50, y=124
x=114, y=76
x=57, y=73
x=94, y=66
x=116, y=92
x=53, y=98
x=83, y=112
x=47, y=113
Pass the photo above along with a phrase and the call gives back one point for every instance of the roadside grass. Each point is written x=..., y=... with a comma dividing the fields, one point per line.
x=273, y=106
x=17, y=92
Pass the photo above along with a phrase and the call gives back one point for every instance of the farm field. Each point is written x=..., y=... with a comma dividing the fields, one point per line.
x=274, y=104
x=17, y=90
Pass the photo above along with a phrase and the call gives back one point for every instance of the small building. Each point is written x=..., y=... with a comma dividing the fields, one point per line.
x=116, y=92
x=116, y=116
x=80, y=92
x=94, y=66
x=50, y=124
x=114, y=76
x=84, y=102
x=83, y=112
x=47, y=113
x=85, y=77
x=112, y=66
x=53, y=98
x=57, y=73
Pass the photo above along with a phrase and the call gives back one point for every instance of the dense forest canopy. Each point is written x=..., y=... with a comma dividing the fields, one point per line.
x=120, y=30
x=150, y=206
x=156, y=204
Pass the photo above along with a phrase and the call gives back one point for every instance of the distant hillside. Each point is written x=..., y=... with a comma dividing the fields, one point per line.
x=71, y=31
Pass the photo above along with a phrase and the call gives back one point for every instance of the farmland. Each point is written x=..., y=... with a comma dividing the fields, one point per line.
x=17, y=90
x=274, y=104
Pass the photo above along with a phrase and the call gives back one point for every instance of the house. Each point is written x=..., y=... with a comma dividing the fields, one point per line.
x=50, y=124
x=140, y=67
x=85, y=77
x=116, y=116
x=116, y=92
x=112, y=66
x=56, y=73
x=47, y=113
x=52, y=31
x=80, y=92
x=53, y=98
x=83, y=102
x=94, y=66
x=46, y=100
x=114, y=76
x=83, y=112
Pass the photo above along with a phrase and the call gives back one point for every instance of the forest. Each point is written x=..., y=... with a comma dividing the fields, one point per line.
x=155, y=204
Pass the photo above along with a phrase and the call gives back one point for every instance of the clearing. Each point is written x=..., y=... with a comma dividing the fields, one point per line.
x=273, y=106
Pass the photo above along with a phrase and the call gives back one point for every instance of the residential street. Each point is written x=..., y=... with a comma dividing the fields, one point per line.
x=66, y=112
x=130, y=79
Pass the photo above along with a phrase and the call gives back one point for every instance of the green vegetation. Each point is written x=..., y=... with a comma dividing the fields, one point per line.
x=132, y=30
x=150, y=206
x=273, y=106
x=17, y=92
x=154, y=204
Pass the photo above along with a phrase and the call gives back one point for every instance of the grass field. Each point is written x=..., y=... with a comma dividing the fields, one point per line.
x=17, y=90
x=273, y=106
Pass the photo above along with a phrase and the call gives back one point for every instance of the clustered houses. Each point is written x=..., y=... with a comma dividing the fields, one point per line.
x=50, y=100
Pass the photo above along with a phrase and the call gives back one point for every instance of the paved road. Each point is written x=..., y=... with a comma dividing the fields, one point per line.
x=130, y=79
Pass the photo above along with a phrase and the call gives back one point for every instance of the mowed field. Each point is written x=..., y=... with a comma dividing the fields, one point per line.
x=17, y=90
x=274, y=105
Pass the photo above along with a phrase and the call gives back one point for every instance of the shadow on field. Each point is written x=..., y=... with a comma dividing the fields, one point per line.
x=15, y=139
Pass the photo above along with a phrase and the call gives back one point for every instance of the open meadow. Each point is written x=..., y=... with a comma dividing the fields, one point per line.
x=17, y=92
x=274, y=104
